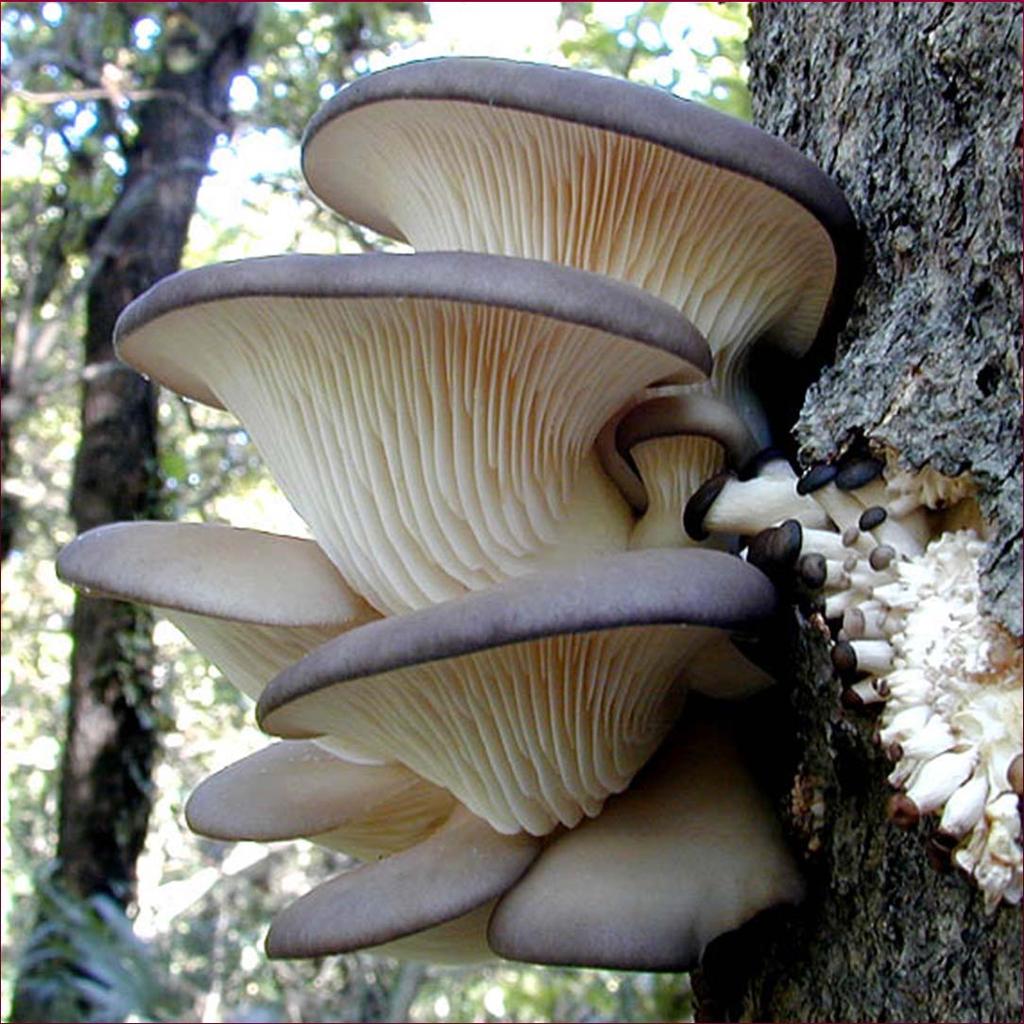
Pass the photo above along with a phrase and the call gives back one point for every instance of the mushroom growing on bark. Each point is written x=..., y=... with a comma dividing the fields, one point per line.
x=432, y=417
x=691, y=850
x=742, y=233
x=903, y=594
x=452, y=426
x=534, y=700
x=251, y=602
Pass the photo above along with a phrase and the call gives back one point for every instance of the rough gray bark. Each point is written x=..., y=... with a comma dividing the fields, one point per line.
x=915, y=109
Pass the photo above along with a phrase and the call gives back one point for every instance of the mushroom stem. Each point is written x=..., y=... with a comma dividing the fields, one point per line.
x=865, y=623
x=824, y=542
x=672, y=469
x=837, y=603
x=874, y=656
x=939, y=778
x=844, y=510
x=750, y=506
x=837, y=574
x=864, y=692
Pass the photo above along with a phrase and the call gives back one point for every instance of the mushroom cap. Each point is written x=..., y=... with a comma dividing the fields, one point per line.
x=552, y=163
x=560, y=293
x=250, y=602
x=665, y=413
x=215, y=570
x=297, y=789
x=534, y=700
x=462, y=866
x=430, y=416
x=690, y=851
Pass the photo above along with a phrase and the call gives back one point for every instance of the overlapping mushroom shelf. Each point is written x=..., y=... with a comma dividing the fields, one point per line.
x=492, y=672
x=535, y=700
x=745, y=235
x=432, y=417
x=251, y=602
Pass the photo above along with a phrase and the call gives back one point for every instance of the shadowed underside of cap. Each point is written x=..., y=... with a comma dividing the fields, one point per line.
x=690, y=851
x=462, y=866
x=733, y=226
x=434, y=445
x=251, y=602
x=296, y=789
x=533, y=701
x=460, y=942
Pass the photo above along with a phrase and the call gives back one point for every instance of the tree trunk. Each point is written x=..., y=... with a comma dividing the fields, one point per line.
x=105, y=796
x=915, y=109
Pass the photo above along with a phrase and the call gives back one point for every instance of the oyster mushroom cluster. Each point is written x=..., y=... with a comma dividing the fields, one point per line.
x=891, y=559
x=499, y=671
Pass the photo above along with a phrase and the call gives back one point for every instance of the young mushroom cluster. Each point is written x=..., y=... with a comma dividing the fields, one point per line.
x=499, y=670
x=891, y=559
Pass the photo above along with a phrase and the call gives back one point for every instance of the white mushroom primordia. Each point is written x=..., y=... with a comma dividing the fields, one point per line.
x=896, y=558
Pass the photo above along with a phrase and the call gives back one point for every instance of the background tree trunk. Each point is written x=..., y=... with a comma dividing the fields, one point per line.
x=915, y=109
x=111, y=740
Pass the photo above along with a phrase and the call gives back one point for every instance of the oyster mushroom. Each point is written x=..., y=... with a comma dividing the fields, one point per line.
x=251, y=602
x=460, y=868
x=691, y=850
x=731, y=225
x=535, y=700
x=432, y=417
x=661, y=449
x=299, y=790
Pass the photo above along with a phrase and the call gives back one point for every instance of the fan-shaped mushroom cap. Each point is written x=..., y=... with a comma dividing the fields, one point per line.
x=296, y=789
x=534, y=700
x=736, y=228
x=251, y=602
x=690, y=851
x=432, y=417
x=462, y=866
x=662, y=449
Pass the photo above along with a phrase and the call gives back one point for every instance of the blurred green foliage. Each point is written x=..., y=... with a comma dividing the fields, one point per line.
x=73, y=78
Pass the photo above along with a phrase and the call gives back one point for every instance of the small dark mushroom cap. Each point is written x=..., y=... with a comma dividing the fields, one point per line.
x=701, y=501
x=561, y=293
x=816, y=477
x=457, y=869
x=858, y=471
x=775, y=551
x=1015, y=774
x=872, y=517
